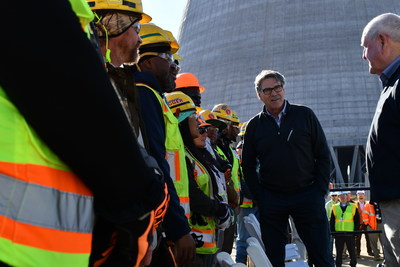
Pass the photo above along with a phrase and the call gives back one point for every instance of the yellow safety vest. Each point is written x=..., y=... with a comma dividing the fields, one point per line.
x=175, y=153
x=46, y=212
x=208, y=231
x=235, y=168
x=84, y=13
x=344, y=221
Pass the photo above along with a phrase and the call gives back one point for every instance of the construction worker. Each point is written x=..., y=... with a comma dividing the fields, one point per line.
x=208, y=212
x=227, y=152
x=328, y=207
x=189, y=84
x=117, y=26
x=368, y=218
x=344, y=218
x=361, y=203
x=247, y=207
x=156, y=75
x=68, y=155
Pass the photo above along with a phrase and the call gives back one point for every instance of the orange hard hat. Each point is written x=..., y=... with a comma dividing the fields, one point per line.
x=188, y=80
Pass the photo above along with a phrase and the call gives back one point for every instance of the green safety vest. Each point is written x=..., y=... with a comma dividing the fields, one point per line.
x=46, y=211
x=235, y=168
x=175, y=153
x=84, y=13
x=344, y=221
x=208, y=231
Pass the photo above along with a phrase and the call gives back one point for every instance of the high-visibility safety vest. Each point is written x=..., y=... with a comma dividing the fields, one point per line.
x=84, y=13
x=175, y=150
x=46, y=212
x=235, y=168
x=368, y=215
x=208, y=231
x=344, y=221
x=247, y=202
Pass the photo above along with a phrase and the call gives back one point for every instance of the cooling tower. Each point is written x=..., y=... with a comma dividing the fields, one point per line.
x=314, y=43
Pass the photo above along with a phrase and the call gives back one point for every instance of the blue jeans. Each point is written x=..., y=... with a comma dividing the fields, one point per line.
x=241, y=245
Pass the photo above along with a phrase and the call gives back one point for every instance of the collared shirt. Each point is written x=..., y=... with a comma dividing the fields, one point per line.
x=388, y=72
x=277, y=119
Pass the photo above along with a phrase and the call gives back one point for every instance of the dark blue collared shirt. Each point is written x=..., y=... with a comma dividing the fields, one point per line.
x=388, y=72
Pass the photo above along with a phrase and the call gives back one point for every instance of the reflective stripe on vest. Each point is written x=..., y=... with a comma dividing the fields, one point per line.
x=46, y=212
x=235, y=168
x=369, y=216
x=344, y=221
x=175, y=150
x=207, y=231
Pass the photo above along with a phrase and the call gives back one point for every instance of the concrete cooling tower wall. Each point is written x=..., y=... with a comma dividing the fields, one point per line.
x=314, y=43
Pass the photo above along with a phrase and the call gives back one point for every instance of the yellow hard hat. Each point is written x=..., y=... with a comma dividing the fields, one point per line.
x=173, y=43
x=211, y=118
x=223, y=111
x=120, y=5
x=177, y=57
x=180, y=104
x=243, y=128
x=152, y=34
x=235, y=118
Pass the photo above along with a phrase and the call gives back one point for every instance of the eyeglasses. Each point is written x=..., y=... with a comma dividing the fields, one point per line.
x=167, y=56
x=235, y=126
x=212, y=128
x=277, y=88
x=194, y=116
x=202, y=130
x=136, y=26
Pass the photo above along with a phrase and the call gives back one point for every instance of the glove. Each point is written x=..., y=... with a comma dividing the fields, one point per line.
x=196, y=218
x=228, y=219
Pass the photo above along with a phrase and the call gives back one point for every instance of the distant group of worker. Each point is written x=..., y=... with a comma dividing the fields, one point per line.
x=108, y=159
x=347, y=216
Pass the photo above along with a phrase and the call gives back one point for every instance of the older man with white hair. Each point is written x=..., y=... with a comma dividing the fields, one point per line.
x=381, y=42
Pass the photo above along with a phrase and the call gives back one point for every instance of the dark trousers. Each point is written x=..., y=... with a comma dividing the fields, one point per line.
x=307, y=207
x=358, y=241
x=229, y=239
x=339, y=243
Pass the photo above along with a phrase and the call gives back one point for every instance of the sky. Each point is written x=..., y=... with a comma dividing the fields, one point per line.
x=166, y=13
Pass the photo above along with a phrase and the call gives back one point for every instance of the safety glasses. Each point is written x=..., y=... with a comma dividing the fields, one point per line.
x=203, y=130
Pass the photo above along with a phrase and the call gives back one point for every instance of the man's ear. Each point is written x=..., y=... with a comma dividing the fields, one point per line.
x=383, y=39
x=146, y=65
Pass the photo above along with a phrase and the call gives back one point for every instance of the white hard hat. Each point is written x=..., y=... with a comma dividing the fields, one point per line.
x=360, y=192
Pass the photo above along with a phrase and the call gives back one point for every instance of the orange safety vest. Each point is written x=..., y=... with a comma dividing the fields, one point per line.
x=369, y=216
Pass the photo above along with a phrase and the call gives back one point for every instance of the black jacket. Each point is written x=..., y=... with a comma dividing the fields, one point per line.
x=175, y=223
x=383, y=145
x=291, y=156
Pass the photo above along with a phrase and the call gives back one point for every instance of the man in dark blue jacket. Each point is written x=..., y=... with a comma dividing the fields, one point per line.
x=381, y=42
x=290, y=145
x=156, y=76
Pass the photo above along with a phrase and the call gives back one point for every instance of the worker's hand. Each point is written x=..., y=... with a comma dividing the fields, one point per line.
x=185, y=250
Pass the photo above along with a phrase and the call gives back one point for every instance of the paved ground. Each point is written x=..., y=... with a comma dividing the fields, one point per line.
x=364, y=261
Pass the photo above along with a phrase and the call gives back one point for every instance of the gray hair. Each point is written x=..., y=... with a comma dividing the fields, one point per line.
x=265, y=74
x=388, y=23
